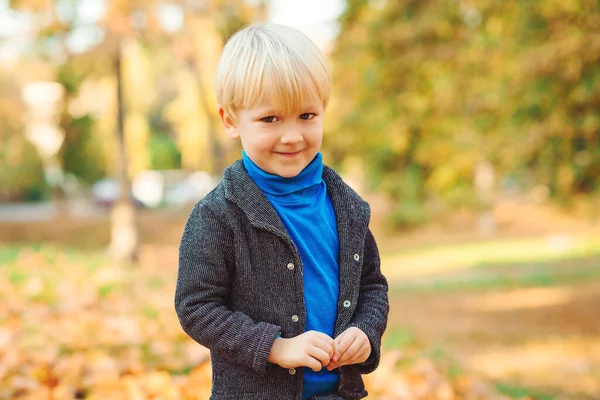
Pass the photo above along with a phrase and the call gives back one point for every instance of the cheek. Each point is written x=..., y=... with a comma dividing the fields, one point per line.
x=257, y=141
x=315, y=133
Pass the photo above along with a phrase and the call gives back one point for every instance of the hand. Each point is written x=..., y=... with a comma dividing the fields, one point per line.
x=351, y=347
x=311, y=349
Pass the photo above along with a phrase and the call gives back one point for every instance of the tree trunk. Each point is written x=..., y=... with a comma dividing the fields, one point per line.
x=124, y=235
x=484, y=181
x=218, y=154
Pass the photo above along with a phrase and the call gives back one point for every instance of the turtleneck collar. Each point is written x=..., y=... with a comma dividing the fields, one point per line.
x=303, y=184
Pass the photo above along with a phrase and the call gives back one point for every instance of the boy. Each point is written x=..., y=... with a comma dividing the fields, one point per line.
x=278, y=271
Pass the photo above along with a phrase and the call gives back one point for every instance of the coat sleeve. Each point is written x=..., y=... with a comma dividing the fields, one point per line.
x=206, y=254
x=372, y=309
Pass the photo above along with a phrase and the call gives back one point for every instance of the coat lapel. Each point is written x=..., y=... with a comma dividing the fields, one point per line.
x=348, y=212
x=243, y=191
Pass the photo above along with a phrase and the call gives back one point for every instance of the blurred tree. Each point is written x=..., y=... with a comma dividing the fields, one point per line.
x=126, y=22
x=21, y=170
x=80, y=153
x=122, y=36
x=164, y=153
x=207, y=26
x=123, y=22
x=441, y=90
x=558, y=94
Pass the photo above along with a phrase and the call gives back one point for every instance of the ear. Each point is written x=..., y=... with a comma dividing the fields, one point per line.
x=228, y=124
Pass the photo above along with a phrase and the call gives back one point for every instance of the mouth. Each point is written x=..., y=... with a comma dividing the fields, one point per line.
x=289, y=154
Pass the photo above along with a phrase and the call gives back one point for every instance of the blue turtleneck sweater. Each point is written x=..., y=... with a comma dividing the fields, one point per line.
x=306, y=211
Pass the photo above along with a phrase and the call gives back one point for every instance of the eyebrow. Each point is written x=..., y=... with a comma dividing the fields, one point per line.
x=268, y=110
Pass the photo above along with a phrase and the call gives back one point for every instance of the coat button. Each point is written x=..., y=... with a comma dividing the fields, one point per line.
x=347, y=303
x=356, y=257
x=295, y=318
x=290, y=266
x=292, y=371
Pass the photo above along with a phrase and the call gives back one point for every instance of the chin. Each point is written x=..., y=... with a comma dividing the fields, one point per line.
x=290, y=170
x=289, y=173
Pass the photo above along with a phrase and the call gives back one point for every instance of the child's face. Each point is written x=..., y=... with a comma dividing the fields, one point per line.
x=279, y=143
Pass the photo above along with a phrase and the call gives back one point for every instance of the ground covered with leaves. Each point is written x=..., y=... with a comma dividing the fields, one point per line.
x=73, y=325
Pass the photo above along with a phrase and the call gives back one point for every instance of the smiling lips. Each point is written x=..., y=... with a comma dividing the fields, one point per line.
x=288, y=154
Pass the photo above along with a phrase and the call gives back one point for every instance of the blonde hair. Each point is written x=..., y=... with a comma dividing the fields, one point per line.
x=271, y=61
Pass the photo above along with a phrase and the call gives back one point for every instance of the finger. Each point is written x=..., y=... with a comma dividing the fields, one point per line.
x=340, y=336
x=361, y=356
x=344, y=344
x=331, y=366
x=325, y=345
x=320, y=355
x=312, y=363
x=351, y=350
x=326, y=338
x=323, y=337
x=316, y=336
x=336, y=343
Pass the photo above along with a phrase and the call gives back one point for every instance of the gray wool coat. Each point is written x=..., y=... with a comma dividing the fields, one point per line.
x=240, y=284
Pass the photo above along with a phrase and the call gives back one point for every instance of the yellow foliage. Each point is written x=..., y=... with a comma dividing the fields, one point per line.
x=136, y=142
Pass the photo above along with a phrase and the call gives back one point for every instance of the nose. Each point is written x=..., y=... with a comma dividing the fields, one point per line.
x=291, y=135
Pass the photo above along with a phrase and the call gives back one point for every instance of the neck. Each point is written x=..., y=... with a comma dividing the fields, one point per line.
x=275, y=185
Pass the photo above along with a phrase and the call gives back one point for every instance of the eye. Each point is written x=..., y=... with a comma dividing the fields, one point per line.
x=269, y=119
x=307, y=116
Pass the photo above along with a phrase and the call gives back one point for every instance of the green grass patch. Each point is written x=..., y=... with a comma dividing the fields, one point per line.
x=436, y=353
x=434, y=260
x=455, y=371
x=182, y=371
x=17, y=277
x=398, y=338
x=156, y=282
x=150, y=312
x=9, y=254
x=404, y=340
x=106, y=289
x=536, y=278
x=518, y=392
x=36, y=246
x=506, y=250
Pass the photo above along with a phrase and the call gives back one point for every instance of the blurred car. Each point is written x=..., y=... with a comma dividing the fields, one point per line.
x=106, y=192
x=189, y=190
x=155, y=188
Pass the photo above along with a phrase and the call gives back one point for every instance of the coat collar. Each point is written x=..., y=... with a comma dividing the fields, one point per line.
x=241, y=189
